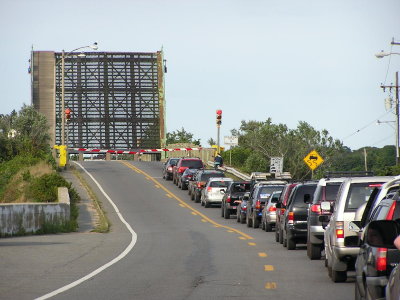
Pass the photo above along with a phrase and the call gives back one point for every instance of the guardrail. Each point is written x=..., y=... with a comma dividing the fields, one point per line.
x=232, y=171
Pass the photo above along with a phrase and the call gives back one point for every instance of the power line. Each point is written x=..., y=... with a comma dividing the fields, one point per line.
x=369, y=124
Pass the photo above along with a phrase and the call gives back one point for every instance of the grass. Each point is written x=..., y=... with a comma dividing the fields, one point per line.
x=103, y=224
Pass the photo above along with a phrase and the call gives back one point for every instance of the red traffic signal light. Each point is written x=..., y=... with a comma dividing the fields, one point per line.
x=68, y=113
x=219, y=117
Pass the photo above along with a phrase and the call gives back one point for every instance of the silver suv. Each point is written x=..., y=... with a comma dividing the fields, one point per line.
x=341, y=244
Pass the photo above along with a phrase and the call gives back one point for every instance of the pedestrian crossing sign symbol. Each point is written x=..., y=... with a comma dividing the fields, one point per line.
x=313, y=160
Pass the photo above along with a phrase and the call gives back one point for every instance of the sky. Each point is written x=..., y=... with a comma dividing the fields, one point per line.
x=291, y=61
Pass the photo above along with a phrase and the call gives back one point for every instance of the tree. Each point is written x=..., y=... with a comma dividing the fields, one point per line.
x=180, y=137
x=31, y=133
x=268, y=140
x=211, y=141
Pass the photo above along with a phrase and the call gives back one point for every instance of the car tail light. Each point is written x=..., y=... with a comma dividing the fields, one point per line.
x=282, y=211
x=291, y=218
x=316, y=208
x=228, y=199
x=244, y=207
x=200, y=185
x=391, y=211
x=272, y=208
x=189, y=176
x=209, y=189
x=181, y=169
x=381, y=259
x=339, y=230
x=258, y=204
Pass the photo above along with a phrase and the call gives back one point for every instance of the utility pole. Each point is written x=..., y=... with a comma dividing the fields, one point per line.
x=396, y=87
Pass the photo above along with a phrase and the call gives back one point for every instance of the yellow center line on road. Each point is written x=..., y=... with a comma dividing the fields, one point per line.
x=270, y=285
x=268, y=268
x=251, y=244
x=262, y=254
x=204, y=217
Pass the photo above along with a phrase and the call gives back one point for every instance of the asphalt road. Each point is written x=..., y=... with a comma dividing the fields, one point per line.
x=182, y=251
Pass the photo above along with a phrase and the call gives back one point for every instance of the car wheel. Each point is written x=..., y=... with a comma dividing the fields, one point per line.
x=197, y=198
x=222, y=210
x=291, y=244
x=313, y=251
x=280, y=236
x=284, y=240
x=192, y=195
x=276, y=235
x=206, y=204
x=255, y=222
x=268, y=227
x=242, y=218
x=339, y=276
x=357, y=295
x=238, y=216
x=227, y=213
x=248, y=220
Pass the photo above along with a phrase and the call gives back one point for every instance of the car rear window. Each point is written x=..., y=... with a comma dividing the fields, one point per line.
x=298, y=197
x=266, y=191
x=219, y=184
x=240, y=187
x=194, y=163
x=359, y=194
x=326, y=193
x=205, y=177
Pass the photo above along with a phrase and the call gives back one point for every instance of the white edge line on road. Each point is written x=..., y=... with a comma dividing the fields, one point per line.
x=102, y=268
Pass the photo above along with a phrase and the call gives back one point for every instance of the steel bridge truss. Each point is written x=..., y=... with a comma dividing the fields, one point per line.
x=114, y=98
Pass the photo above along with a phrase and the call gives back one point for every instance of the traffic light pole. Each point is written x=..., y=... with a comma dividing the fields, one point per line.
x=218, y=131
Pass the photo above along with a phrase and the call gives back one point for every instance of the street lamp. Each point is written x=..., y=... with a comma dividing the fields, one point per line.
x=63, y=56
x=383, y=54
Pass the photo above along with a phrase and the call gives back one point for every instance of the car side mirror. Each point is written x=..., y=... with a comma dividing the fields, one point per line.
x=382, y=233
x=355, y=226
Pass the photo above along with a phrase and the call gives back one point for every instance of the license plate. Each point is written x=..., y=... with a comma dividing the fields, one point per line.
x=234, y=207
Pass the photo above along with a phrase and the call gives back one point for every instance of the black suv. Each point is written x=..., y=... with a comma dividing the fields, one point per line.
x=258, y=195
x=183, y=164
x=232, y=196
x=296, y=213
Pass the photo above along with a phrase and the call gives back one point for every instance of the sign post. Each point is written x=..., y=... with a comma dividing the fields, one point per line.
x=231, y=141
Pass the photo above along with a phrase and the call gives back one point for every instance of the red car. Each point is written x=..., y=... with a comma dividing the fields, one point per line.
x=183, y=164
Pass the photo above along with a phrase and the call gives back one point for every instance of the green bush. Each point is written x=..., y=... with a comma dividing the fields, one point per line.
x=44, y=188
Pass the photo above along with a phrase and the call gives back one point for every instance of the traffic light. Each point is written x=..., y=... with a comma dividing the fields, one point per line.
x=219, y=117
x=68, y=114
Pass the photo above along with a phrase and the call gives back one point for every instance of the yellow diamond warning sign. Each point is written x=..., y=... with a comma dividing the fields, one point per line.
x=313, y=160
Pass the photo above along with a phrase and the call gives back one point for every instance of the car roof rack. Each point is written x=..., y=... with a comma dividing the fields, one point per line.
x=337, y=174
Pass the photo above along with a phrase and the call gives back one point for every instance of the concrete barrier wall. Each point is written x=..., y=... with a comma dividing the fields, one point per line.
x=18, y=218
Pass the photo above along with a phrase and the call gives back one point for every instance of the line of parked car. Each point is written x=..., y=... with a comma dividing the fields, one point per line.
x=347, y=219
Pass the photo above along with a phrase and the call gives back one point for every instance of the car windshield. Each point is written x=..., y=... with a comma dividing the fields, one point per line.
x=266, y=191
x=298, y=197
x=358, y=194
x=219, y=184
x=192, y=163
x=173, y=161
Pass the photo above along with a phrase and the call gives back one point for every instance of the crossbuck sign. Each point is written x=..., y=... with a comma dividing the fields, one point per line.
x=276, y=165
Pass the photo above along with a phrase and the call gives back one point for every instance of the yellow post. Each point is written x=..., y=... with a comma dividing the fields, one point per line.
x=63, y=155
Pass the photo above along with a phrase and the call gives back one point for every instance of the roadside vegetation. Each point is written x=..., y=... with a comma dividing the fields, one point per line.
x=27, y=169
x=261, y=140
